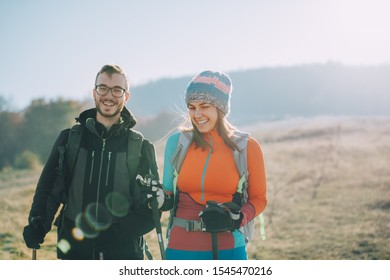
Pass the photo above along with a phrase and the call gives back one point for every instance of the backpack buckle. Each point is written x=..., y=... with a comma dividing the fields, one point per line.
x=192, y=225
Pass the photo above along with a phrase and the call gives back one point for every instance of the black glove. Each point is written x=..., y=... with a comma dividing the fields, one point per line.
x=34, y=233
x=152, y=189
x=218, y=217
x=235, y=215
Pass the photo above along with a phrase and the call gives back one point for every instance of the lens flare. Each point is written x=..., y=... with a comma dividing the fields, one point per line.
x=117, y=204
x=77, y=234
x=82, y=225
x=64, y=246
x=98, y=217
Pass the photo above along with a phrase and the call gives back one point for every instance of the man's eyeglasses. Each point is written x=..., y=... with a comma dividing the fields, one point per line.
x=103, y=90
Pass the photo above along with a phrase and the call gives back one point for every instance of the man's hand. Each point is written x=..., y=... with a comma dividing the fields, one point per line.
x=34, y=233
x=156, y=192
x=153, y=190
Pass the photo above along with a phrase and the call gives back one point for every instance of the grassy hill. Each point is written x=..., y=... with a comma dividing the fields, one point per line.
x=328, y=193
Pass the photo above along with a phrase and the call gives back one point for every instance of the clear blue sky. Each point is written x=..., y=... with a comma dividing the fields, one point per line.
x=52, y=48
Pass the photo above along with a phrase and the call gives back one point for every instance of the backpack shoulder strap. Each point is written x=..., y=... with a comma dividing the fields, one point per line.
x=148, y=163
x=133, y=155
x=182, y=146
x=67, y=159
x=72, y=148
x=241, y=160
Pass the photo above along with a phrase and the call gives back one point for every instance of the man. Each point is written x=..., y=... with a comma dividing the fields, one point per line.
x=105, y=212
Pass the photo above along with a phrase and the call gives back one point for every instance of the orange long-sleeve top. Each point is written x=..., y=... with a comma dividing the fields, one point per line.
x=212, y=175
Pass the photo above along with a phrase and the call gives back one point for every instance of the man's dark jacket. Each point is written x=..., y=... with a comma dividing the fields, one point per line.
x=104, y=214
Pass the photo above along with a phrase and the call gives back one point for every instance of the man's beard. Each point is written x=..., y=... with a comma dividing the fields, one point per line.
x=108, y=115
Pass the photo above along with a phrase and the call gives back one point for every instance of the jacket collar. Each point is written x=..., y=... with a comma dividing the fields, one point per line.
x=88, y=119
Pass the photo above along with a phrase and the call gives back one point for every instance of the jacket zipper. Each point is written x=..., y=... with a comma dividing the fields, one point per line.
x=99, y=179
x=92, y=165
x=205, y=168
x=108, y=167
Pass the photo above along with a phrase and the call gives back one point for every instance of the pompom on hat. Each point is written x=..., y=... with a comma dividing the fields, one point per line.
x=211, y=87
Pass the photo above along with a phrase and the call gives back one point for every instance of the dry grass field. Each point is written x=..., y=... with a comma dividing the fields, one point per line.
x=328, y=192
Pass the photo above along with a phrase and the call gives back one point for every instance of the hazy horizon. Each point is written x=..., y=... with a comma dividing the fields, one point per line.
x=54, y=49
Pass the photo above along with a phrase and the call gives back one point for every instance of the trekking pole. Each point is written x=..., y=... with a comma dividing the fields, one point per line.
x=156, y=219
x=157, y=223
x=214, y=244
x=34, y=254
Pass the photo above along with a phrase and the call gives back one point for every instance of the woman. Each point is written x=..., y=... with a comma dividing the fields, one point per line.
x=200, y=169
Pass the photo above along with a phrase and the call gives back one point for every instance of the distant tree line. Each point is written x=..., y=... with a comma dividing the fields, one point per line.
x=26, y=137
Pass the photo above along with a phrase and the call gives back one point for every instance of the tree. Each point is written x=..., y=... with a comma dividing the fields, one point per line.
x=10, y=126
x=44, y=120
